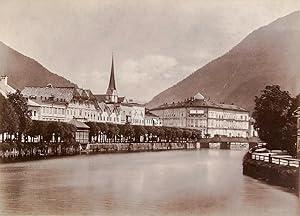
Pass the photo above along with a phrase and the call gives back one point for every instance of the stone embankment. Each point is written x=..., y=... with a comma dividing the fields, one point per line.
x=36, y=151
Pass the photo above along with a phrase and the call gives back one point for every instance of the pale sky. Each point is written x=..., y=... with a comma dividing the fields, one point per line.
x=156, y=43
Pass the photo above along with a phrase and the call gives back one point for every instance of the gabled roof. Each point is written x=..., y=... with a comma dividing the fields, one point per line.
x=199, y=96
x=113, y=108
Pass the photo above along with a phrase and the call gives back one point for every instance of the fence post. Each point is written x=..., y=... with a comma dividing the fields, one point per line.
x=298, y=181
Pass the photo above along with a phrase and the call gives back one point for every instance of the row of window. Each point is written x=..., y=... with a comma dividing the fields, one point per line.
x=227, y=133
x=53, y=110
x=196, y=123
x=227, y=124
x=228, y=115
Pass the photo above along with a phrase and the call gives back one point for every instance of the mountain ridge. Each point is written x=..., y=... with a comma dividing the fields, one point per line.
x=265, y=56
x=25, y=71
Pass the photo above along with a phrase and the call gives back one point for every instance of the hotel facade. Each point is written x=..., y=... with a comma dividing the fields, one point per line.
x=210, y=118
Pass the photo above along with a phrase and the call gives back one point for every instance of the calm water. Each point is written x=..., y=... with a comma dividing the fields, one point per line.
x=205, y=182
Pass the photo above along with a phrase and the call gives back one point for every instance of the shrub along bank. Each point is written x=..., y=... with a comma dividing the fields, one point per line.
x=274, y=174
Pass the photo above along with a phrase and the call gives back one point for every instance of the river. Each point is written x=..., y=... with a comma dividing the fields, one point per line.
x=203, y=182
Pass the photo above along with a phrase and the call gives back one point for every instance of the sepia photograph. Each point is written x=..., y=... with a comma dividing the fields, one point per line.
x=150, y=107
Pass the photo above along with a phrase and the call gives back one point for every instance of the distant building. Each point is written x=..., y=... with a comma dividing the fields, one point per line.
x=151, y=119
x=210, y=118
x=5, y=89
x=76, y=106
x=82, y=131
x=61, y=103
x=128, y=111
x=51, y=103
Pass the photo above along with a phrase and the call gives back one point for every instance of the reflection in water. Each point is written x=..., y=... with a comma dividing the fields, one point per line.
x=206, y=182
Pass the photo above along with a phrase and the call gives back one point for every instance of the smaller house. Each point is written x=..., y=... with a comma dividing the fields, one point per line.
x=152, y=119
x=82, y=131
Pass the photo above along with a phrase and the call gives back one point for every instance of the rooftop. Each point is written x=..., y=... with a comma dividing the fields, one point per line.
x=60, y=95
x=199, y=101
x=78, y=124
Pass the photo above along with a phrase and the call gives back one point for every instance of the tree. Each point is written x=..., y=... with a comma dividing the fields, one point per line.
x=129, y=131
x=103, y=128
x=161, y=133
x=139, y=131
x=35, y=129
x=19, y=104
x=94, y=130
x=69, y=133
x=9, y=121
x=113, y=131
x=273, y=118
x=179, y=133
x=168, y=133
x=187, y=134
x=196, y=134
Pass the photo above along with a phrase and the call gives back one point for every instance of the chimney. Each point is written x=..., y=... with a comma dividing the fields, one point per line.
x=4, y=79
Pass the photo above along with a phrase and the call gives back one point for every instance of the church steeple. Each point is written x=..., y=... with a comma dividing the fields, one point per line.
x=112, y=82
x=111, y=93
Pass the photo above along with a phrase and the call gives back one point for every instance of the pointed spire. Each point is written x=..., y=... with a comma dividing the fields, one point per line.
x=112, y=82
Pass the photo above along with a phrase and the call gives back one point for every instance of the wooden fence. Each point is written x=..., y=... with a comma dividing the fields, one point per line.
x=276, y=159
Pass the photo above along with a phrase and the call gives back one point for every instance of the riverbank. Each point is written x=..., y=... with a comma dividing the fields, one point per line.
x=50, y=151
x=272, y=173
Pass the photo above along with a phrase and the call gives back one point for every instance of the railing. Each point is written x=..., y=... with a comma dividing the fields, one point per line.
x=276, y=159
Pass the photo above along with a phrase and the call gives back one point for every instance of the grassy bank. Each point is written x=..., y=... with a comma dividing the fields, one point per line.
x=274, y=174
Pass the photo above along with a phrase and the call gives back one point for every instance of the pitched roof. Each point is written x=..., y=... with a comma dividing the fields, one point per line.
x=102, y=106
x=64, y=94
x=113, y=108
x=78, y=124
x=100, y=97
x=58, y=95
x=200, y=103
x=32, y=103
x=122, y=100
x=199, y=96
x=149, y=114
x=6, y=89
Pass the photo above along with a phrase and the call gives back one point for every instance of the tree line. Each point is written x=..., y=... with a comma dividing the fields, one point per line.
x=21, y=131
x=107, y=132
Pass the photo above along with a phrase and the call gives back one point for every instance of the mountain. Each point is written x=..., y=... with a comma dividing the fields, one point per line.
x=269, y=55
x=23, y=71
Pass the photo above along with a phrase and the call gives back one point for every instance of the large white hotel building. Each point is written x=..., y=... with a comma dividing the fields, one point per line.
x=209, y=117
